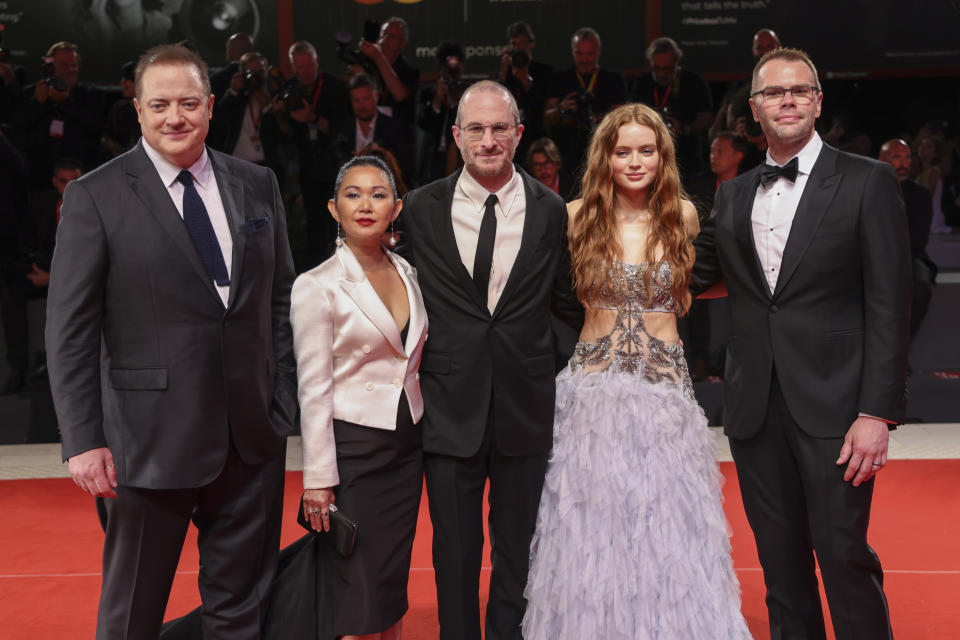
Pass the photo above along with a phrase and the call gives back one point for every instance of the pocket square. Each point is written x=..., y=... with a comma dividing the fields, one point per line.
x=255, y=224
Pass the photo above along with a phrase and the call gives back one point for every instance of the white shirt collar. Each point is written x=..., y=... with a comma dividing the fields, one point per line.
x=807, y=156
x=201, y=169
x=477, y=194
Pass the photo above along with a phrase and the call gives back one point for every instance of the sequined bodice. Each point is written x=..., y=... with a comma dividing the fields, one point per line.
x=628, y=347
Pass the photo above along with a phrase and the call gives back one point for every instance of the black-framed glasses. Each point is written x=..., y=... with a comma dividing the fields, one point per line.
x=500, y=130
x=802, y=93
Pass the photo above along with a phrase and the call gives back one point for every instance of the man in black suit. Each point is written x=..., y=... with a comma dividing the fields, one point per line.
x=171, y=360
x=368, y=127
x=918, y=203
x=490, y=249
x=813, y=249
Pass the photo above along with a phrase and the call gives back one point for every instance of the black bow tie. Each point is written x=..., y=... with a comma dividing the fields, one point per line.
x=770, y=173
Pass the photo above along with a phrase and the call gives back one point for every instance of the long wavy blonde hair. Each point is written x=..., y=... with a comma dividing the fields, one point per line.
x=594, y=236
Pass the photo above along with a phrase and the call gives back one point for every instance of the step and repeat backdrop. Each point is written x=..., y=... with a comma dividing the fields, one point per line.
x=850, y=37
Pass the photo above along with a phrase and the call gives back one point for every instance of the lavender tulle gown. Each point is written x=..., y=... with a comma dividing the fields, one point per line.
x=631, y=540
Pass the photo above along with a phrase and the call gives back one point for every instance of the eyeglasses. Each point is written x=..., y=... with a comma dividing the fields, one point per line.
x=500, y=130
x=802, y=93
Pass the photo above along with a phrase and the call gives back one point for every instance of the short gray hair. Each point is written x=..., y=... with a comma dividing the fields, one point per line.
x=664, y=45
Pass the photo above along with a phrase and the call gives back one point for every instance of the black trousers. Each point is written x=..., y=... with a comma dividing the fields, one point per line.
x=798, y=504
x=455, y=491
x=238, y=520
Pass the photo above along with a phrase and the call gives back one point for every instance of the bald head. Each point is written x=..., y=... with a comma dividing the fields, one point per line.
x=896, y=152
x=238, y=44
x=764, y=41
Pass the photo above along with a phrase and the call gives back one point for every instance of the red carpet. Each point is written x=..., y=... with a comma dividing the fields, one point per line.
x=50, y=558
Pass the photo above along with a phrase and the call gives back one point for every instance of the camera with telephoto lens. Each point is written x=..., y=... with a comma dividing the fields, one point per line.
x=50, y=76
x=519, y=59
x=252, y=80
x=351, y=56
x=583, y=116
x=292, y=96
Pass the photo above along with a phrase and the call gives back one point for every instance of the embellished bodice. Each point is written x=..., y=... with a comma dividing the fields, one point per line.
x=628, y=347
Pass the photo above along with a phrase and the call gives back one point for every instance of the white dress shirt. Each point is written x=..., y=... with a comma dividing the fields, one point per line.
x=469, y=203
x=249, y=147
x=206, y=182
x=364, y=140
x=774, y=208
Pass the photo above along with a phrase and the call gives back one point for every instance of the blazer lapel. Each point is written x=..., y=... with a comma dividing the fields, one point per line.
x=145, y=183
x=743, y=224
x=446, y=238
x=534, y=225
x=355, y=284
x=418, y=313
x=231, y=194
x=817, y=195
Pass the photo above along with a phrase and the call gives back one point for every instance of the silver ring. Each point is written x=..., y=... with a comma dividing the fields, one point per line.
x=877, y=464
x=108, y=466
x=314, y=512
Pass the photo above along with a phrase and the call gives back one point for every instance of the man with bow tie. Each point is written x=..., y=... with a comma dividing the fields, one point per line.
x=171, y=359
x=813, y=249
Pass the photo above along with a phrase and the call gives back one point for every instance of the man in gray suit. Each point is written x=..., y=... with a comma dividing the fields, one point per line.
x=170, y=359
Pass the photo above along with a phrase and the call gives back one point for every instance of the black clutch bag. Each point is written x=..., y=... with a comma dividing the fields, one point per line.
x=343, y=530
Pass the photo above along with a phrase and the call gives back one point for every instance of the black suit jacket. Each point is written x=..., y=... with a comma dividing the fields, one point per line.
x=388, y=133
x=836, y=327
x=143, y=356
x=473, y=355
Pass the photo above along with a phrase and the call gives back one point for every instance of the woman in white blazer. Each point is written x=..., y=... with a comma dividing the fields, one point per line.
x=359, y=325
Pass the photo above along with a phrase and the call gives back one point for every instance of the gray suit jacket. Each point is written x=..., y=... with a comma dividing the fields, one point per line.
x=143, y=356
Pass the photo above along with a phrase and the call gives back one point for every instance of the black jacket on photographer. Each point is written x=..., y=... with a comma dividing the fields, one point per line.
x=530, y=101
x=82, y=116
x=596, y=95
x=687, y=96
x=230, y=114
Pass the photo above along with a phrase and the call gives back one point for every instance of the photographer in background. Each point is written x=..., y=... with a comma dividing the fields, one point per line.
x=304, y=109
x=122, y=129
x=438, y=112
x=368, y=127
x=398, y=79
x=580, y=97
x=63, y=117
x=237, y=44
x=527, y=79
x=28, y=277
x=683, y=99
x=238, y=119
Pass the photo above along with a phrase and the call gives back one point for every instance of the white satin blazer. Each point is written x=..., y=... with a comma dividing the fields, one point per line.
x=351, y=364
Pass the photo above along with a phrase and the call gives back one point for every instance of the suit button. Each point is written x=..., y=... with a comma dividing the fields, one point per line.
x=366, y=348
x=397, y=383
x=774, y=308
x=369, y=386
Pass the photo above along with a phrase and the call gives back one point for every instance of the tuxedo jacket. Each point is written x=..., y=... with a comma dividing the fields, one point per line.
x=351, y=362
x=836, y=325
x=476, y=362
x=144, y=357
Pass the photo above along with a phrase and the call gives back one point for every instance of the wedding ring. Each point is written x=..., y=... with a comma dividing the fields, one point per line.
x=108, y=466
x=315, y=512
x=877, y=464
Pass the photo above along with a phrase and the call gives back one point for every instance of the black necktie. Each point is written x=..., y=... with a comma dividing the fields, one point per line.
x=201, y=231
x=483, y=261
x=770, y=173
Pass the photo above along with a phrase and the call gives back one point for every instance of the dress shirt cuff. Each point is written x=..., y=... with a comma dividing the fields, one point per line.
x=861, y=414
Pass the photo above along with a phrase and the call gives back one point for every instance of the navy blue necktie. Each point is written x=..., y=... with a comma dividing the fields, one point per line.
x=483, y=259
x=201, y=231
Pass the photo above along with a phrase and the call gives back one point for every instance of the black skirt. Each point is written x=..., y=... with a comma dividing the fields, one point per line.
x=381, y=478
